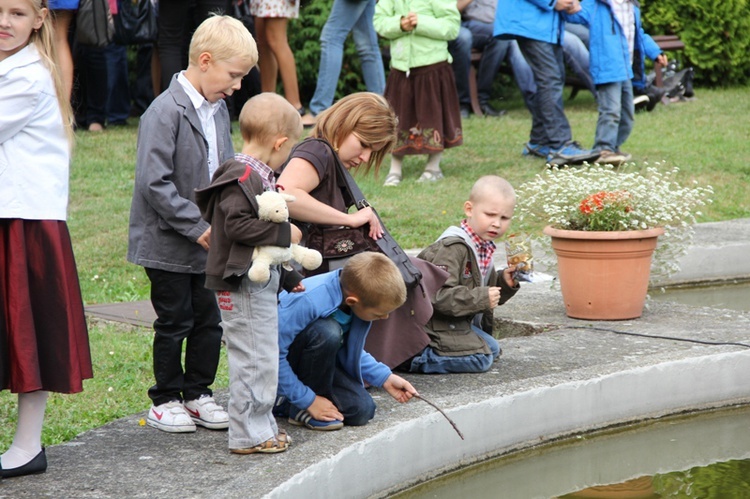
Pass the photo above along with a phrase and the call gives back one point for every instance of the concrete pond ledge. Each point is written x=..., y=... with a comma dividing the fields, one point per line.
x=562, y=377
x=557, y=377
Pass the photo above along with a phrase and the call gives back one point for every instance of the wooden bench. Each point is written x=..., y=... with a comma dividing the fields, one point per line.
x=667, y=43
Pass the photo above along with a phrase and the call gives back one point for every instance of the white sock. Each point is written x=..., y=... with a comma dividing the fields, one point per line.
x=433, y=162
x=27, y=442
x=396, y=164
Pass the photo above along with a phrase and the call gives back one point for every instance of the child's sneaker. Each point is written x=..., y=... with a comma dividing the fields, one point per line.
x=300, y=417
x=538, y=150
x=207, y=413
x=612, y=158
x=170, y=417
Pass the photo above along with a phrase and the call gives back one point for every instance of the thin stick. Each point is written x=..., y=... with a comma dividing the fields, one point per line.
x=443, y=413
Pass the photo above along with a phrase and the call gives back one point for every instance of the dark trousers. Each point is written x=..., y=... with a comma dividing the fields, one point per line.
x=177, y=22
x=186, y=311
x=312, y=356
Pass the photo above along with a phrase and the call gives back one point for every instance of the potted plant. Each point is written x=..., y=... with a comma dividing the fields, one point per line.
x=603, y=224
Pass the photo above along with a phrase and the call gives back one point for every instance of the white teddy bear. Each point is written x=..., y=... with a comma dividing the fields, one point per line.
x=272, y=208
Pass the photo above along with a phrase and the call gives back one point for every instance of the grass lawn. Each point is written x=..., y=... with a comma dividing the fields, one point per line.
x=707, y=138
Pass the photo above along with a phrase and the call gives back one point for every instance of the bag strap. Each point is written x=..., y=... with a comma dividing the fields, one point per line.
x=387, y=243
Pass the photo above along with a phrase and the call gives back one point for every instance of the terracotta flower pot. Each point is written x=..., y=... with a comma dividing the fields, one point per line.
x=604, y=275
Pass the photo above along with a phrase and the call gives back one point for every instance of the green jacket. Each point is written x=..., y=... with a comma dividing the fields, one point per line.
x=463, y=299
x=438, y=22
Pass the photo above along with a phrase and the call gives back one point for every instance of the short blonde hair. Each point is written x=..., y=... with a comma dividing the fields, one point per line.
x=366, y=114
x=375, y=280
x=225, y=38
x=268, y=116
x=491, y=186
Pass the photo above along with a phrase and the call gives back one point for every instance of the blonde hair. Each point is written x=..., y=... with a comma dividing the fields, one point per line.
x=44, y=41
x=366, y=114
x=224, y=37
x=491, y=186
x=268, y=116
x=375, y=280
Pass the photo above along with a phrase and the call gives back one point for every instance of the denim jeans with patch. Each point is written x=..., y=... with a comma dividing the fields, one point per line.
x=312, y=357
x=249, y=318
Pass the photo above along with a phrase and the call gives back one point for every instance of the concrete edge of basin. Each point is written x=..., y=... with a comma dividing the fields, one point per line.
x=523, y=419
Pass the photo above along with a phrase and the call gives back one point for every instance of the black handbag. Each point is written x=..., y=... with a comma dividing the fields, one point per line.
x=135, y=22
x=94, y=24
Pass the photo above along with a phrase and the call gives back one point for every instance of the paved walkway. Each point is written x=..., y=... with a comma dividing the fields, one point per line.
x=553, y=369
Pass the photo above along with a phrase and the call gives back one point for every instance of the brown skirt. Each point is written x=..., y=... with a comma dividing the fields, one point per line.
x=44, y=341
x=426, y=103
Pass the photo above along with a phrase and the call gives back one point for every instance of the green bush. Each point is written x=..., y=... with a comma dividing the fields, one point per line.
x=304, y=39
x=716, y=34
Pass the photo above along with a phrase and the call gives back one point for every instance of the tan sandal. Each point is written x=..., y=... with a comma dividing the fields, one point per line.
x=279, y=443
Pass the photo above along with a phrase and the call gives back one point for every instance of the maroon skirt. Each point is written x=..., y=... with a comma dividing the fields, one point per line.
x=426, y=103
x=44, y=342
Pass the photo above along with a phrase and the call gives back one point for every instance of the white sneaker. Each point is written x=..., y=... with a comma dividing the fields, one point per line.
x=170, y=417
x=207, y=413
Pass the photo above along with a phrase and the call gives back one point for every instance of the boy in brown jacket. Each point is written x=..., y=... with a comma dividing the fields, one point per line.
x=270, y=126
x=460, y=329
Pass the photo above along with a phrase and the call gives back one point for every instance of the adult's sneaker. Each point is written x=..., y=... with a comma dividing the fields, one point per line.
x=538, y=150
x=207, y=413
x=571, y=153
x=170, y=417
x=300, y=417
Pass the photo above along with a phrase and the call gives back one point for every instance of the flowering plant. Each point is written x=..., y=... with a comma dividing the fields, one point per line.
x=602, y=198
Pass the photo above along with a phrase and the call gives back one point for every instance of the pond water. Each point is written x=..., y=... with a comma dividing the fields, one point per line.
x=735, y=296
x=703, y=455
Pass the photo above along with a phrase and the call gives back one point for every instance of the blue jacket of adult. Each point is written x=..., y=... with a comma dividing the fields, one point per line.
x=321, y=298
x=535, y=19
x=608, y=47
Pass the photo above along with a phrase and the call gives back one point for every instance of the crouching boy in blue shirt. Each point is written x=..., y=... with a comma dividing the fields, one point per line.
x=323, y=367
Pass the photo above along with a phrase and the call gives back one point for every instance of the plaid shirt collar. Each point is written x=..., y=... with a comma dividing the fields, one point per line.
x=485, y=249
x=262, y=169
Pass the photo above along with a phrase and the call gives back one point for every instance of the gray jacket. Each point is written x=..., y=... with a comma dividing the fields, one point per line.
x=172, y=161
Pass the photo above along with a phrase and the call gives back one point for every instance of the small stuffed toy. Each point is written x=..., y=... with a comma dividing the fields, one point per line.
x=272, y=208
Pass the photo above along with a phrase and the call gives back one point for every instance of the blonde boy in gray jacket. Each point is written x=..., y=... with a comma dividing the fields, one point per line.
x=460, y=328
x=183, y=138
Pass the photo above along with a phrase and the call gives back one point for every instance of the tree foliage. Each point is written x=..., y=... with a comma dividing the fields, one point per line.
x=716, y=34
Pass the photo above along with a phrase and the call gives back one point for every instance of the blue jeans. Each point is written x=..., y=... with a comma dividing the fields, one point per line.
x=616, y=115
x=312, y=357
x=549, y=125
x=346, y=16
x=429, y=362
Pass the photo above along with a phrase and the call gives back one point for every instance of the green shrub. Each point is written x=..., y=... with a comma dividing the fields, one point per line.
x=716, y=34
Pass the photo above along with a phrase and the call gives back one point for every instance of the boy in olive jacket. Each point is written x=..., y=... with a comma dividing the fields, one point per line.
x=460, y=329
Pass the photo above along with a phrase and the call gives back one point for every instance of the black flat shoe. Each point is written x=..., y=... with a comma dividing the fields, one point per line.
x=36, y=465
